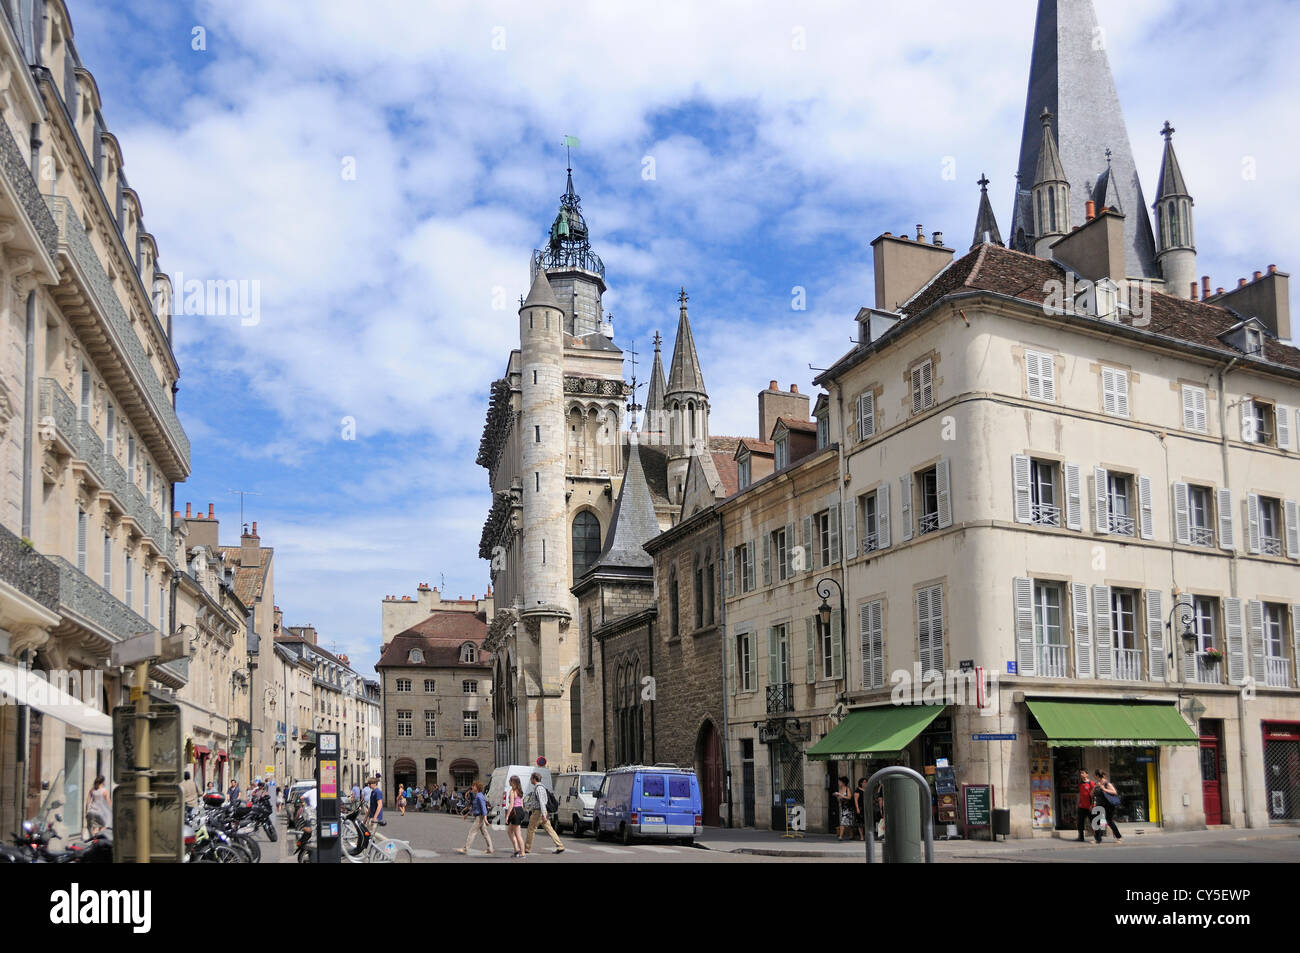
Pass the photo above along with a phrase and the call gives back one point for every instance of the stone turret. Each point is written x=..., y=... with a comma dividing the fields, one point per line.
x=1051, y=194
x=986, y=224
x=687, y=404
x=1175, y=238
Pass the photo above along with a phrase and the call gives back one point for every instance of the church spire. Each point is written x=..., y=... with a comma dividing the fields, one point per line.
x=1051, y=193
x=986, y=225
x=1070, y=77
x=633, y=522
x=1174, y=235
x=654, y=398
x=685, y=376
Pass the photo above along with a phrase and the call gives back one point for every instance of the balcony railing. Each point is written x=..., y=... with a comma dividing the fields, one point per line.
x=1270, y=545
x=1128, y=664
x=26, y=570
x=1202, y=536
x=780, y=698
x=73, y=235
x=1121, y=525
x=1208, y=672
x=1277, y=672
x=15, y=168
x=870, y=543
x=1045, y=514
x=1053, y=661
x=928, y=523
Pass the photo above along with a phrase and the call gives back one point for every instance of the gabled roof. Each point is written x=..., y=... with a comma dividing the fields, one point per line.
x=753, y=446
x=633, y=521
x=439, y=638
x=249, y=581
x=794, y=423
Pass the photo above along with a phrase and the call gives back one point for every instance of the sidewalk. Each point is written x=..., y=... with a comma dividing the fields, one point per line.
x=773, y=844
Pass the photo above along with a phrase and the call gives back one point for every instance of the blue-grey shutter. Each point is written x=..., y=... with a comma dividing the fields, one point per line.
x=1022, y=496
x=767, y=559
x=1073, y=497
x=943, y=492
x=810, y=658
x=905, y=504
x=1101, y=499
x=837, y=644
x=1102, y=654
x=1226, y=531
x=1255, y=626
x=882, y=516
x=807, y=543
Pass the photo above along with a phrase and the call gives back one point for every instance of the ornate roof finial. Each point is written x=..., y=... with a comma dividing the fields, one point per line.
x=682, y=299
x=658, y=340
x=1167, y=131
x=983, y=182
x=1108, y=155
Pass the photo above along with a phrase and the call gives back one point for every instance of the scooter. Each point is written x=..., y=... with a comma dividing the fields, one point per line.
x=306, y=853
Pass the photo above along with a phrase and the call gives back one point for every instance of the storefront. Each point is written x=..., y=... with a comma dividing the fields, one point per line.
x=1122, y=739
x=1282, y=770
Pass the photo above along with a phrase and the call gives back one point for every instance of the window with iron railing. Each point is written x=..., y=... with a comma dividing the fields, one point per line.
x=1123, y=622
x=1043, y=508
x=1049, y=636
x=780, y=698
x=1270, y=526
x=1277, y=668
x=1119, y=493
x=1128, y=664
x=928, y=486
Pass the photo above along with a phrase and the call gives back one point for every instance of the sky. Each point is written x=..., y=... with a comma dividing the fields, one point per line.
x=379, y=173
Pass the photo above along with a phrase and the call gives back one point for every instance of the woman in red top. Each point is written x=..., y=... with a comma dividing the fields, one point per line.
x=1084, y=810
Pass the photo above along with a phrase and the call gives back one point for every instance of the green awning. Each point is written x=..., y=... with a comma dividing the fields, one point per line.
x=872, y=732
x=1070, y=724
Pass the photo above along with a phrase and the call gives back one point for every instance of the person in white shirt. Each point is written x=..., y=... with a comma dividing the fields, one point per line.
x=538, y=816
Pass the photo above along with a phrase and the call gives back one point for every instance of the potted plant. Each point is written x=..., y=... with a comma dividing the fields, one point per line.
x=1212, y=656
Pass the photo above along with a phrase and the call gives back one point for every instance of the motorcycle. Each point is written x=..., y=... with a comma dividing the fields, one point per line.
x=304, y=851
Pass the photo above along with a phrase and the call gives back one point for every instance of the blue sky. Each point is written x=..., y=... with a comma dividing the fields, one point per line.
x=784, y=137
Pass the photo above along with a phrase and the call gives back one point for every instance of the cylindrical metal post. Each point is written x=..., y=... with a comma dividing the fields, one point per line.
x=902, y=822
x=143, y=758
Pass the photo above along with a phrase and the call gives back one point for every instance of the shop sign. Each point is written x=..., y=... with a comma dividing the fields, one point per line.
x=986, y=737
x=978, y=800
x=1011, y=668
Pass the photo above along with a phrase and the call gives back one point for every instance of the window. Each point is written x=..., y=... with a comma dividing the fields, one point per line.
x=129, y=582
x=928, y=488
x=403, y=685
x=781, y=555
x=778, y=654
x=1257, y=422
x=430, y=723
x=742, y=472
x=744, y=556
x=1123, y=622
x=405, y=724
x=823, y=432
x=866, y=409
x=1194, y=416
x=923, y=386
x=1051, y=655
x=110, y=432
x=828, y=659
x=1119, y=493
x=108, y=562
x=1037, y=497
x=699, y=594
x=83, y=529
x=1276, y=670
x=1199, y=508
x=744, y=680
x=674, y=607
x=929, y=629
x=469, y=653
x=781, y=452
x=1264, y=524
x=145, y=592
x=872, y=631
x=822, y=522
x=428, y=686
x=586, y=543
x=706, y=579
x=469, y=724
x=415, y=657
x=1205, y=624
x=469, y=687
x=652, y=785
x=85, y=395
x=1040, y=375
x=871, y=518
x=1114, y=392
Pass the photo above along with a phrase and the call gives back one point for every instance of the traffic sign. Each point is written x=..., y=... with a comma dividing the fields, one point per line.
x=165, y=748
x=166, y=823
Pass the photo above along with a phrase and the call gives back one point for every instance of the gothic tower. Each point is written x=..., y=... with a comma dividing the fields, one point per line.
x=687, y=405
x=576, y=273
x=654, y=398
x=1174, y=235
x=1051, y=194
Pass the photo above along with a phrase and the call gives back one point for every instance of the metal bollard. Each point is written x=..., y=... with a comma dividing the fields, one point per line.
x=923, y=804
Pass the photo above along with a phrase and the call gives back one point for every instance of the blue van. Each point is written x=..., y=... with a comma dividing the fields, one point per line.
x=662, y=802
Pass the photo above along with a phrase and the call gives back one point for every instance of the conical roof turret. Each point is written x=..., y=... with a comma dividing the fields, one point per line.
x=685, y=376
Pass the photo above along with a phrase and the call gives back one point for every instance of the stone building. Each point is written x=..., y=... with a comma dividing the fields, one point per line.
x=90, y=443
x=554, y=449
x=436, y=680
x=399, y=613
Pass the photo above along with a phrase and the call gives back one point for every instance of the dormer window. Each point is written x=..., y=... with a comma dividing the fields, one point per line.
x=782, y=451
x=823, y=432
x=468, y=653
x=743, y=471
x=416, y=657
x=1254, y=341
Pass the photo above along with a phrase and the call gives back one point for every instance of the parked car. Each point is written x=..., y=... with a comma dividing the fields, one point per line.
x=499, y=786
x=577, y=796
x=661, y=802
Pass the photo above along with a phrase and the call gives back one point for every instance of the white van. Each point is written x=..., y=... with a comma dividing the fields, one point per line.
x=498, y=788
x=576, y=793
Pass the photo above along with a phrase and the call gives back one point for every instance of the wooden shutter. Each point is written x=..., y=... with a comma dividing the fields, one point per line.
x=927, y=384
x=1146, y=510
x=867, y=415
x=1022, y=495
x=851, y=527
x=1101, y=499
x=810, y=628
x=834, y=523
x=1182, y=514
x=749, y=566
x=905, y=504
x=1194, y=417
x=1252, y=523
x=943, y=492
x=837, y=644
x=882, y=516
x=870, y=620
x=1155, y=635
x=1255, y=629
x=1103, y=655
x=1121, y=393
x=773, y=669
x=1082, y=631
x=1291, y=514
x=923, y=630
x=1189, y=658
x=735, y=658
x=808, y=561
x=1295, y=640
x=1073, y=497
x=1248, y=433
x=731, y=572
x=1236, y=651
x=1226, y=532
x=1283, y=416
x=789, y=550
x=82, y=545
x=1023, y=596
x=936, y=628
x=1032, y=387
x=1108, y=390
x=767, y=559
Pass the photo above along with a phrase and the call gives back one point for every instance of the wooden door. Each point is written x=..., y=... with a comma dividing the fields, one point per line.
x=711, y=782
x=1210, y=793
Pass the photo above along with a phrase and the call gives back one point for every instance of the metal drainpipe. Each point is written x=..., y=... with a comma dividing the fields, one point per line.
x=721, y=604
x=1243, y=738
x=29, y=412
x=650, y=647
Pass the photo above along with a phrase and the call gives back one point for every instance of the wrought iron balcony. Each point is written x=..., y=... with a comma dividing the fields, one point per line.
x=14, y=167
x=928, y=523
x=1121, y=525
x=1128, y=664
x=1277, y=672
x=73, y=240
x=780, y=698
x=870, y=542
x=1207, y=671
x=26, y=570
x=1202, y=536
x=1045, y=514
x=1270, y=545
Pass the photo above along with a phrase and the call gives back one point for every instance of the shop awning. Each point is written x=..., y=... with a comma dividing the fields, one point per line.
x=873, y=732
x=28, y=688
x=201, y=751
x=1070, y=724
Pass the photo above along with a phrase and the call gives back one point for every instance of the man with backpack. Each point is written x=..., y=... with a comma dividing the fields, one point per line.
x=542, y=805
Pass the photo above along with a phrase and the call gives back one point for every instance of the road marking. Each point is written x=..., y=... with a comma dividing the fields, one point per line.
x=656, y=849
x=606, y=850
x=423, y=853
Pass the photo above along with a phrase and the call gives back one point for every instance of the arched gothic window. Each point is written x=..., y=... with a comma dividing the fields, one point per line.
x=586, y=543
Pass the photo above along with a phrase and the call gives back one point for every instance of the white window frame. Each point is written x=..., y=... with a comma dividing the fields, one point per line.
x=922, y=381
x=1040, y=376
x=1114, y=392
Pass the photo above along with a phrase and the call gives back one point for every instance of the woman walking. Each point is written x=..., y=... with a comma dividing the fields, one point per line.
x=99, y=808
x=1109, y=802
x=401, y=799
x=861, y=808
x=516, y=816
x=845, y=800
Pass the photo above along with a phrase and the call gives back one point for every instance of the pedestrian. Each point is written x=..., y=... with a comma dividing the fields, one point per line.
x=878, y=811
x=845, y=801
x=516, y=816
x=401, y=799
x=539, y=817
x=356, y=792
x=1084, y=807
x=232, y=792
x=211, y=788
x=860, y=808
x=307, y=811
x=191, y=792
x=479, y=824
x=1109, y=802
x=270, y=790
x=375, y=814
x=99, y=808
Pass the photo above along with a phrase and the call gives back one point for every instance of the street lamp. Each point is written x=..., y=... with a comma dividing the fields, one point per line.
x=1186, y=627
x=825, y=611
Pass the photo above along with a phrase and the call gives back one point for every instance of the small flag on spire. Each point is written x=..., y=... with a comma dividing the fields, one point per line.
x=571, y=142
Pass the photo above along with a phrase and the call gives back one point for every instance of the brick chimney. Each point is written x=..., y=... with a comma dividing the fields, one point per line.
x=774, y=402
x=902, y=268
x=202, y=532
x=250, y=548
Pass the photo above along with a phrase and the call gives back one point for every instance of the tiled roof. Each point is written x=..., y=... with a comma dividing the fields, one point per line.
x=250, y=581
x=1013, y=273
x=728, y=470
x=439, y=637
x=794, y=423
x=764, y=447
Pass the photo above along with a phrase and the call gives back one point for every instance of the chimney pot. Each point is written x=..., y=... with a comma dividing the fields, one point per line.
x=920, y=233
x=1194, y=297
x=938, y=239
x=1272, y=269
x=889, y=234
x=772, y=386
x=1219, y=290
x=187, y=511
x=1258, y=275
x=1205, y=286
x=1241, y=282
x=254, y=527
x=794, y=388
x=1090, y=210
x=212, y=511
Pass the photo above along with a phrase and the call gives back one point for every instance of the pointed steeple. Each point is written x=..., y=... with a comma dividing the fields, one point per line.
x=986, y=225
x=1049, y=169
x=1051, y=193
x=1106, y=193
x=654, y=398
x=633, y=523
x=1171, y=174
x=685, y=376
x=1175, y=235
x=541, y=295
x=1070, y=77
